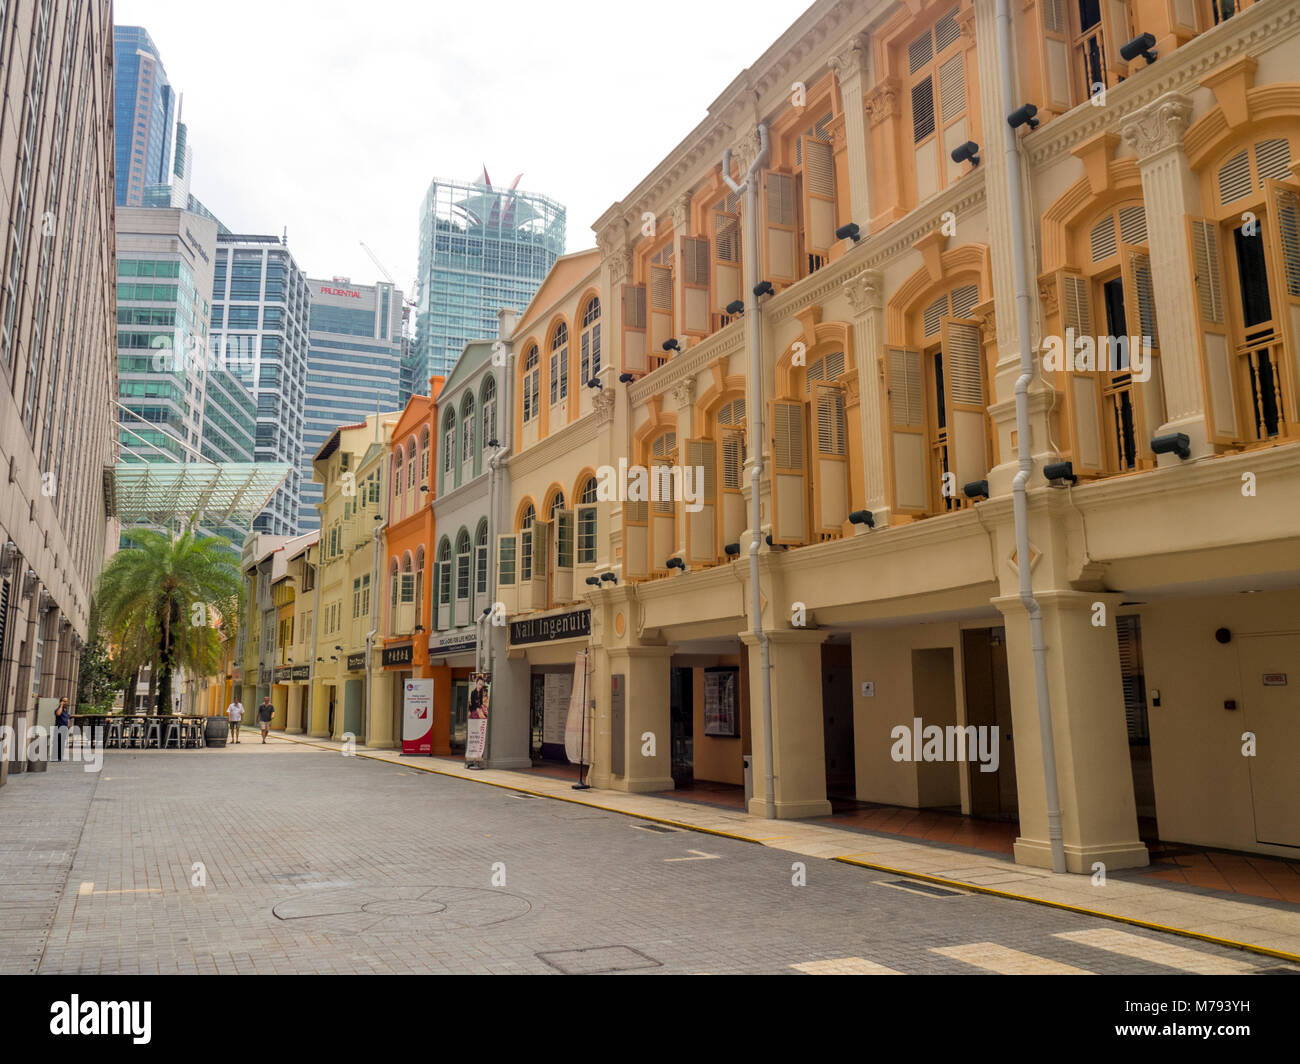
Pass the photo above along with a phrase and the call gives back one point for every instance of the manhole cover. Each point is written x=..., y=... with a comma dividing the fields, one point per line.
x=400, y=909
x=598, y=960
x=405, y=908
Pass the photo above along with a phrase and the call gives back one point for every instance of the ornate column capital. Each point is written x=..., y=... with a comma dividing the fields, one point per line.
x=684, y=392
x=1159, y=126
x=603, y=404
x=681, y=213
x=619, y=261
x=882, y=101
x=851, y=61
x=865, y=291
x=745, y=151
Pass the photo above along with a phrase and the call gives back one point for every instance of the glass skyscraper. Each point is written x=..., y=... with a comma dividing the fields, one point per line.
x=144, y=111
x=354, y=366
x=260, y=307
x=481, y=248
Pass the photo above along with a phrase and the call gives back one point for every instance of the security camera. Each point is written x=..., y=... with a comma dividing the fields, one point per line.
x=671, y=344
x=763, y=288
x=626, y=378
x=736, y=306
x=862, y=517
x=968, y=151
x=1059, y=473
x=1021, y=115
x=1175, y=443
x=849, y=231
x=1143, y=45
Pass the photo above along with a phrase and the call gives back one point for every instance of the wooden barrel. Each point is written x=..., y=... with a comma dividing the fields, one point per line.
x=215, y=731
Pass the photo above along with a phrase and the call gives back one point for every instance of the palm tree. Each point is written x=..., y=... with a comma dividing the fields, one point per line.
x=159, y=598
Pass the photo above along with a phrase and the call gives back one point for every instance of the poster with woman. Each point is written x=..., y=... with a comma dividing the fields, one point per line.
x=480, y=696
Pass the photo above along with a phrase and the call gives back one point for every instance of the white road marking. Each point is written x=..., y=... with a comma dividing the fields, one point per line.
x=700, y=855
x=1006, y=961
x=844, y=966
x=1164, y=953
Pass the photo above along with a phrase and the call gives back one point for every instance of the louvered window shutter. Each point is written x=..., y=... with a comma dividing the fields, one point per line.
x=1057, y=57
x=726, y=259
x=1222, y=422
x=701, y=525
x=634, y=328
x=660, y=298
x=906, y=430
x=1144, y=344
x=695, y=285
x=789, y=474
x=779, y=225
x=636, y=538
x=1283, y=234
x=541, y=541
x=966, y=404
x=733, y=500
x=831, y=472
x=818, y=195
x=1082, y=397
x=507, y=559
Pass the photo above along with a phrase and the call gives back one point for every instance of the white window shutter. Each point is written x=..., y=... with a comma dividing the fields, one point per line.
x=906, y=430
x=789, y=474
x=701, y=525
x=965, y=402
x=780, y=243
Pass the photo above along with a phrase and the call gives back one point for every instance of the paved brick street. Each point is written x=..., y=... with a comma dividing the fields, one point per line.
x=319, y=863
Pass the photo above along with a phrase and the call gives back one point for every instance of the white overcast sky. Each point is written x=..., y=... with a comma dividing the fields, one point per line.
x=330, y=118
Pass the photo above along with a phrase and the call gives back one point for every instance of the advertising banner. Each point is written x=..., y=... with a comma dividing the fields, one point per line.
x=480, y=696
x=417, y=717
x=577, y=728
x=557, y=688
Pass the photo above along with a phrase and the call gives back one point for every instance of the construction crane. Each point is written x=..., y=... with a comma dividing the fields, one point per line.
x=407, y=300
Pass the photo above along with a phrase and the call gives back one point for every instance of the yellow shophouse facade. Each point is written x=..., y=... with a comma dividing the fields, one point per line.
x=1154, y=246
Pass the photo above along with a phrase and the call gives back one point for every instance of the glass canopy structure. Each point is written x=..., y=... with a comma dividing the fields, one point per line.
x=206, y=493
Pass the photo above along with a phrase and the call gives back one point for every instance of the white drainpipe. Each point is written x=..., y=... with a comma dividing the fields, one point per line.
x=1007, y=51
x=753, y=321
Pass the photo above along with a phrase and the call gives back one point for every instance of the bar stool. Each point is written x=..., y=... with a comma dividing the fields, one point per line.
x=174, y=733
x=153, y=734
x=197, y=724
x=135, y=739
x=113, y=740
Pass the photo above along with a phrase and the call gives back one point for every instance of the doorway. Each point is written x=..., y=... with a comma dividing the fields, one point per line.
x=837, y=722
x=681, y=706
x=988, y=705
x=329, y=726
x=1270, y=671
x=459, y=714
x=934, y=699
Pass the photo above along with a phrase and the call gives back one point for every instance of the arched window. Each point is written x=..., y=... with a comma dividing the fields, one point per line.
x=532, y=375
x=442, y=571
x=557, y=504
x=449, y=443
x=462, y=572
x=419, y=584
x=397, y=474
x=480, y=559
x=586, y=514
x=489, y=410
x=410, y=464
x=424, y=456
x=467, y=429
x=590, y=340
x=559, y=363
x=526, y=543
x=392, y=596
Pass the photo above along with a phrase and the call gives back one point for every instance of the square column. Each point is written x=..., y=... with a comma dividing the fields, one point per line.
x=797, y=733
x=1094, y=771
x=647, y=720
x=318, y=720
x=1170, y=195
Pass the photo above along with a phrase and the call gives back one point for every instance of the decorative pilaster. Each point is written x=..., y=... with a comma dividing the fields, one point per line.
x=1170, y=194
x=865, y=293
x=852, y=71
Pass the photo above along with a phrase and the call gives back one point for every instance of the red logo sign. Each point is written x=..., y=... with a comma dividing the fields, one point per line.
x=340, y=292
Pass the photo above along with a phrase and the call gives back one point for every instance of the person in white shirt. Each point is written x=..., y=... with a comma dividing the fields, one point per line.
x=235, y=711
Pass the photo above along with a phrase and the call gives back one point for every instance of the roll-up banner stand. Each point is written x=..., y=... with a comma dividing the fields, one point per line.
x=417, y=717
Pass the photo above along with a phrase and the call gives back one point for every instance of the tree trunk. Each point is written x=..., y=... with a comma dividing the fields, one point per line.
x=165, y=663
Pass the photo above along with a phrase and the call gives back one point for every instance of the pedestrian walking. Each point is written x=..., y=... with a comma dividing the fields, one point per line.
x=62, y=720
x=235, y=711
x=264, y=714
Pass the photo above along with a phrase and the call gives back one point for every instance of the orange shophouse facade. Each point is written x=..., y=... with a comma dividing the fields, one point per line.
x=407, y=566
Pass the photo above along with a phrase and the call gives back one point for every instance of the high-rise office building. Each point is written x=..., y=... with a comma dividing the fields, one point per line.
x=353, y=368
x=59, y=376
x=481, y=248
x=144, y=111
x=164, y=285
x=260, y=307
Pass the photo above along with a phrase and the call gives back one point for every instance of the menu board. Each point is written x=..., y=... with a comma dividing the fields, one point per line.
x=721, y=695
x=555, y=707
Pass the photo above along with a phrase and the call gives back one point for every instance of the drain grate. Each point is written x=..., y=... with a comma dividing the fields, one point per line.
x=598, y=960
x=917, y=886
x=654, y=827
